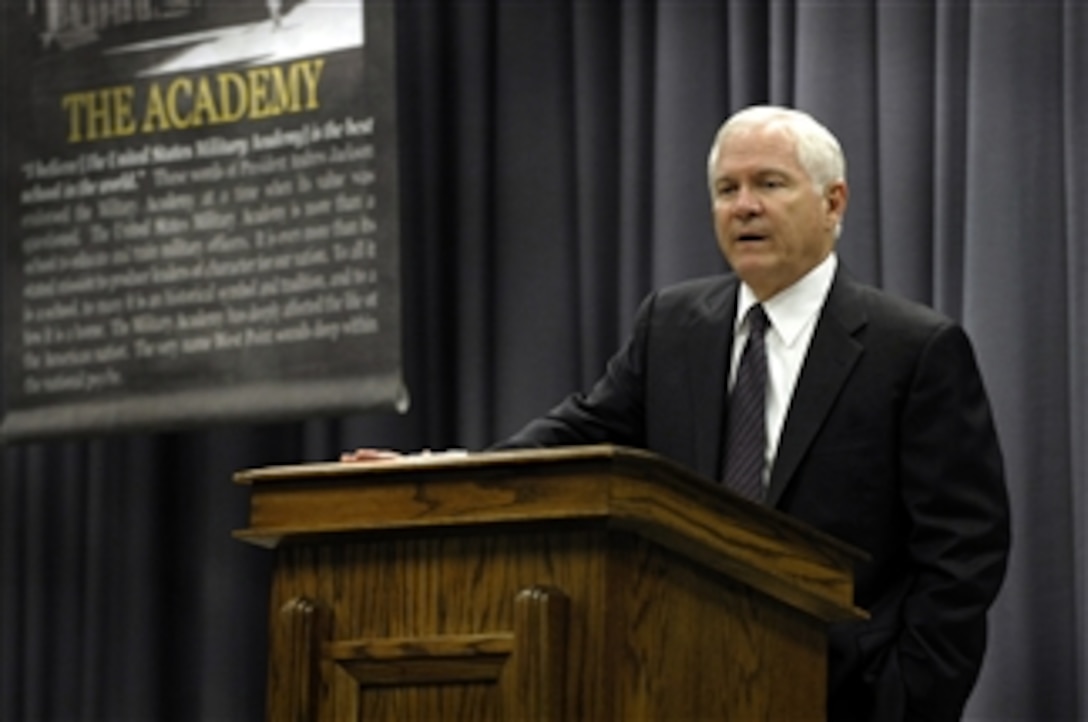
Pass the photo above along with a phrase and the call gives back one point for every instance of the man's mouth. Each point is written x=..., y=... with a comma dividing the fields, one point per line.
x=750, y=237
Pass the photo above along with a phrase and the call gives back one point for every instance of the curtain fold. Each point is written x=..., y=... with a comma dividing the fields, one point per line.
x=1015, y=302
x=553, y=171
x=1074, y=116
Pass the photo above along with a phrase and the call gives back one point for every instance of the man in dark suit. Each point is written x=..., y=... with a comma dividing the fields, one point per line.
x=874, y=424
x=877, y=426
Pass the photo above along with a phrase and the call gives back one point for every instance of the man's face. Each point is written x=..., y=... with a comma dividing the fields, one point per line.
x=773, y=225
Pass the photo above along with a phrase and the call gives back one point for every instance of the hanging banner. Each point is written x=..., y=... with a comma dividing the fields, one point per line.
x=201, y=214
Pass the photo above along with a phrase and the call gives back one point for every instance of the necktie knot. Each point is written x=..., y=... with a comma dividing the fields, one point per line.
x=758, y=323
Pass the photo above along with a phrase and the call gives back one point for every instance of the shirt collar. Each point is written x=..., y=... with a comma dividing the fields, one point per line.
x=793, y=308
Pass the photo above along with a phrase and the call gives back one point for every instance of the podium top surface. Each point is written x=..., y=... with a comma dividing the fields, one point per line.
x=617, y=488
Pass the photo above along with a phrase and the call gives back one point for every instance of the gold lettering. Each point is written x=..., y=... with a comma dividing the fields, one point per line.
x=311, y=75
x=124, y=122
x=72, y=102
x=179, y=85
x=258, y=93
x=205, y=105
x=193, y=101
x=227, y=113
x=155, y=119
x=286, y=90
x=99, y=114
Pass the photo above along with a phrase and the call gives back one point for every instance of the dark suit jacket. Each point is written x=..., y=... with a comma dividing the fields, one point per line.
x=888, y=444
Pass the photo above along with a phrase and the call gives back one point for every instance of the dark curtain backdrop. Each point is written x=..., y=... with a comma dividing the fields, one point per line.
x=553, y=163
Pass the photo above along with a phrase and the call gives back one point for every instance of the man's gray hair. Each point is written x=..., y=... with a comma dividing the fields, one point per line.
x=818, y=150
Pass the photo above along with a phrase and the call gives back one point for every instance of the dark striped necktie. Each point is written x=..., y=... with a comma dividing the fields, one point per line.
x=746, y=447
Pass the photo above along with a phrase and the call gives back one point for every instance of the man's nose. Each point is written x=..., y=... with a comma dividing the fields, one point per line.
x=747, y=203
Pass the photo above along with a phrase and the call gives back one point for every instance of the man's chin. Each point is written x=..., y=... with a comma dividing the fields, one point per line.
x=751, y=262
x=761, y=275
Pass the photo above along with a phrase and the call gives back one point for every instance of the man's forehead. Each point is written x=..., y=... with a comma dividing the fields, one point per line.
x=753, y=162
x=763, y=140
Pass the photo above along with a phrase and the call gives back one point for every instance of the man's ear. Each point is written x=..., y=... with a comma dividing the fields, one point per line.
x=835, y=199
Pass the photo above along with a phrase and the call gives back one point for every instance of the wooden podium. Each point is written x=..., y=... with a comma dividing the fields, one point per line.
x=592, y=583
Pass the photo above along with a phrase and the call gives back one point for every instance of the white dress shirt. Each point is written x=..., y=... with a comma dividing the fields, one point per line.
x=793, y=313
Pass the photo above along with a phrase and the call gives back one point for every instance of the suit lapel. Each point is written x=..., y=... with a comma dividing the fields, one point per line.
x=831, y=357
x=709, y=347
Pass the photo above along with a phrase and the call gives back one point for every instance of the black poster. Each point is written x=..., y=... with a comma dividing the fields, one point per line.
x=201, y=213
